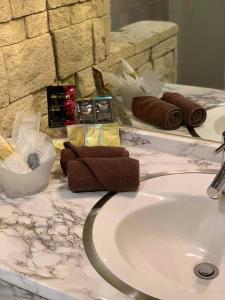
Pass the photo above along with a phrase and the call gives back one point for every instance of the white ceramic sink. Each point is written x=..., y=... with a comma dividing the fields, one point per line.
x=153, y=239
x=214, y=125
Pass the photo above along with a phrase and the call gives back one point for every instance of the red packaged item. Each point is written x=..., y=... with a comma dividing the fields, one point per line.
x=61, y=106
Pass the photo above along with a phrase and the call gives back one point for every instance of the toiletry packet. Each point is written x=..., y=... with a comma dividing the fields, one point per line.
x=76, y=134
x=11, y=160
x=26, y=120
x=86, y=111
x=103, y=109
x=110, y=135
x=93, y=135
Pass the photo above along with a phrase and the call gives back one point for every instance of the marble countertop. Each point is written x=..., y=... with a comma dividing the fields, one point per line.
x=41, y=247
x=207, y=97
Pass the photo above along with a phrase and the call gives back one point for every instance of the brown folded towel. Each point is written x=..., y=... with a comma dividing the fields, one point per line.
x=157, y=112
x=118, y=174
x=71, y=153
x=193, y=114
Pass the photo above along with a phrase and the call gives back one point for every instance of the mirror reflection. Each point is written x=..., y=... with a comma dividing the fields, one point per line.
x=187, y=52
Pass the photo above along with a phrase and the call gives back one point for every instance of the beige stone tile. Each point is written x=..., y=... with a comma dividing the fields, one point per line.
x=139, y=59
x=121, y=49
x=83, y=11
x=74, y=48
x=4, y=95
x=36, y=24
x=12, y=32
x=5, y=11
x=165, y=67
x=99, y=40
x=27, y=7
x=58, y=3
x=30, y=66
x=59, y=18
x=145, y=34
x=107, y=25
x=164, y=47
x=85, y=82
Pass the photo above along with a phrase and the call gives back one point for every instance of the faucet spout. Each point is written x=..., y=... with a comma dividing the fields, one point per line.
x=218, y=183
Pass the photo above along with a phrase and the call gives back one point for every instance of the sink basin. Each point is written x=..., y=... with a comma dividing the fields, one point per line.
x=214, y=124
x=153, y=239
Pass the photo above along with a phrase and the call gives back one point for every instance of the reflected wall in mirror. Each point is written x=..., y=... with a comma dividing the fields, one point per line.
x=200, y=68
x=182, y=41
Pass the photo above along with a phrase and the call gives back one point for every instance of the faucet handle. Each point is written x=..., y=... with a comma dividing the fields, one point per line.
x=222, y=147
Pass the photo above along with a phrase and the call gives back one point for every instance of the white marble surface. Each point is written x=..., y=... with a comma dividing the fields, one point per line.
x=207, y=97
x=11, y=292
x=41, y=247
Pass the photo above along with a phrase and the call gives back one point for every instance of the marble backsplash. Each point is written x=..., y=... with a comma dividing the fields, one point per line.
x=11, y=292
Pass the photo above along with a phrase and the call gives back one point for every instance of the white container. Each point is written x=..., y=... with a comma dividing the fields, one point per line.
x=16, y=185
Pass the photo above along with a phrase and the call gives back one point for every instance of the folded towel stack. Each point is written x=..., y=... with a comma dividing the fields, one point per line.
x=193, y=114
x=169, y=112
x=118, y=174
x=99, y=169
x=157, y=112
x=71, y=153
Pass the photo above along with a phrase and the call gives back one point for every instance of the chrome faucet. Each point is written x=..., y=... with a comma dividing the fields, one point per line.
x=218, y=183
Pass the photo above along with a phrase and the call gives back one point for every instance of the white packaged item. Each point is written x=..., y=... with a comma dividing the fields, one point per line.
x=16, y=185
x=29, y=120
x=32, y=142
x=10, y=159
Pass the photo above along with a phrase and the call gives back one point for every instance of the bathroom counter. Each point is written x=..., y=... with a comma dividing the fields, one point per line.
x=41, y=247
x=206, y=97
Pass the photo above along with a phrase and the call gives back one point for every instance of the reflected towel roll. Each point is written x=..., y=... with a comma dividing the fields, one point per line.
x=193, y=114
x=157, y=112
x=72, y=152
x=119, y=174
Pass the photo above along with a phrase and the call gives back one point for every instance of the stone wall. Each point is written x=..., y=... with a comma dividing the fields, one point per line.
x=126, y=12
x=146, y=44
x=51, y=42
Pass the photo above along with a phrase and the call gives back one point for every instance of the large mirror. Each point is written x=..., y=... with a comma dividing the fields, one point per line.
x=190, y=60
x=58, y=44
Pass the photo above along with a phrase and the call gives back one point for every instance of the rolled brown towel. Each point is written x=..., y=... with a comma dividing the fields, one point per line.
x=157, y=112
x=72, y=152
x=193, y=114
x=118, y=174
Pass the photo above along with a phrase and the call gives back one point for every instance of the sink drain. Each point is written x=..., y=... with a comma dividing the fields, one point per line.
x=206, y=271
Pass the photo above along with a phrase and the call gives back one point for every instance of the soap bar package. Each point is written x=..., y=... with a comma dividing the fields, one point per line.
x=61, y=106
x=86, y=111
x=103, y=109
